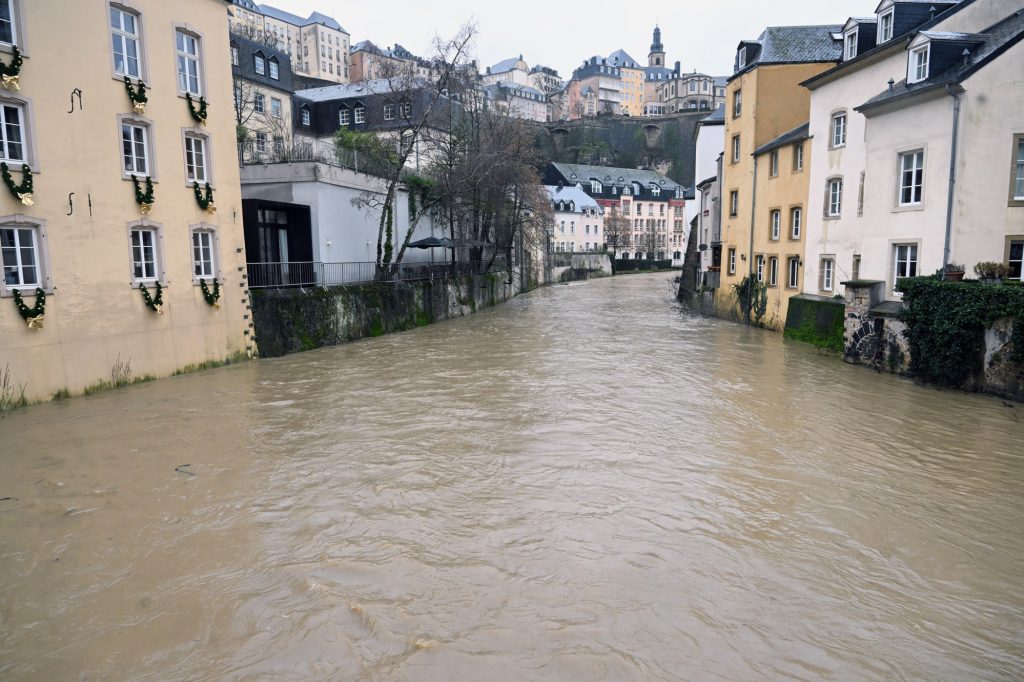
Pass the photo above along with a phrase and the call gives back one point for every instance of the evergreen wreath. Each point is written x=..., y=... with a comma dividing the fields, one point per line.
x=199, y=115
x=34, y=315
x=144, y=199
x=155, y=304
x=9, y=73
x=205, y=202
x=211, y=296
x=22, y=191
x=137, y=96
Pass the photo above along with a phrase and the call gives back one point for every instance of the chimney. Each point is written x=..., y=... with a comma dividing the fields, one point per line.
x=678, y=66
x=967, y=56
x=932, y=11
x=891, y=83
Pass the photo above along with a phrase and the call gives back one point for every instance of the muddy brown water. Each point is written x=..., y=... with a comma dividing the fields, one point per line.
x=582, y=484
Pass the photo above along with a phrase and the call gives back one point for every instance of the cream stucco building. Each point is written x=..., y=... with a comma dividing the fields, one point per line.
x=579, y=220
x=84, y=239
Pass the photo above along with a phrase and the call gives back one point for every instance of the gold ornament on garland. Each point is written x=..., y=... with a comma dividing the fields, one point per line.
x=144, y=199
x=23, y=191
x=33, y=316
x=154, y=304
x=10, y=73
x=211, y=296
x=199, y=115
x=137, y=96
x=205, y=201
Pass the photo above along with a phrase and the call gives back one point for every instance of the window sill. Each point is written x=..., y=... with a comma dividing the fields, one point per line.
x=832, y=217
x=838, y=146
x=27, y=293
x=1015, y=203
x=8, y=48
x=127, y=177
x=150, y=283
x=909, y=208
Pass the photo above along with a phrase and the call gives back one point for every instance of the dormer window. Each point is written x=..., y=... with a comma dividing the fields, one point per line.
x=595, y=186
x=885, y=26
x=742, y=57
x=655, y=191
x=851, y=44
x=918, y=70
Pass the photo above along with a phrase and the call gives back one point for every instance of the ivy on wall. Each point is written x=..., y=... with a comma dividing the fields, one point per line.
x=946, y=323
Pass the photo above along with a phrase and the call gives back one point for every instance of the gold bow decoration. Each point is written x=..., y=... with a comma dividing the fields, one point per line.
x=216, y=306
x=211, y=208
x=159, y=309
x=10, y=83
x=26, y=198
x=35, y=322
x=140, y=107
x=145, y=208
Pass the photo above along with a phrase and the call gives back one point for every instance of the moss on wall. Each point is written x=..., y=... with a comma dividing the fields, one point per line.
x=817, y=321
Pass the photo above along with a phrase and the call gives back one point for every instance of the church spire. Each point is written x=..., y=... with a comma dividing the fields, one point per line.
x=657, y=55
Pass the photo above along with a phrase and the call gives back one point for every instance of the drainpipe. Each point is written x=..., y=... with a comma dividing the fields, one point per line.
x=753, y=218
x=954, y=92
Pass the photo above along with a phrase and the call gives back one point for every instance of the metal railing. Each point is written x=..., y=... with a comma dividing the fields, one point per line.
x=319, y=274
x=712, y=279
x=278, y=151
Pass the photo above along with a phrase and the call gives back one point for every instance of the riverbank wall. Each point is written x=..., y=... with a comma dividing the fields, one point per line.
x=294, y=320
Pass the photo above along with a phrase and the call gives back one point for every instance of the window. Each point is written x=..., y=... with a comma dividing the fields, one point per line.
x=135, y=148
x=259, y=103
x=1017, y=177
x=344, y=117
x=275, y=69
x=406, y=110
x=834, y=200
x=195, y=159
x=656, y=192
x=796, y=218
x=851, y=44
x=856, y=267
x=741, y=58
x=1015, y=261
x=275, y=107
x=595, y=187
x=905, y=261
x=839, y=129
x=8, y=32
x=260, y=65
x=911, y=177
x=12, y=135
x=793, y=273
x=202, y=254
x=261, y=142
x=798, y=157
x=389, y=112
x=360, y=115
x=776, y=222
x=759, y=268
x=234, y=56
x=188, y=62
x=305, y=117
x=918, y=64
x=732, y=261
x=735, y=148
x=773, y=271
x=737, y=103
x=773, y=164
x=124, y=27
x=20, y=254
x=278, y=145
x=885, y=27
x=827, y=269
x=144, y=262
x=734, y=202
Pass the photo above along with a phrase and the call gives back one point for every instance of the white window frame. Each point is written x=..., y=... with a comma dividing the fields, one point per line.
x=274, y=69
x=798, y=157
x=276, y=107
x=734, y=203
x=15, y=10
x=125, y=37
x=261, y=142
x=259, y=64
x=305, y=117
x=204, y=231
x=773, y=163
x=837, y=131
x=735, y=148
x=759, y=267
x=191, y=140
x=793, y=272
x=156, y=246
x=1010, y=260
x=389, y=112
x=737, y=103
x=917, y=68
x=834, y=198
x=259, y=103
x=742, y=57
x=147, y=147
x=234, y=56
x=359, y=115
x=913, y=250
x=596, y=187
x=916, y=170
x=183, y=57
x=776, y=224
x=5, y=143
x=796, y=222
x=1017, y=170
x=405, y=110
x=885, y=31
x=36, y=228
x=850, y=44
x=828, y=272
x=732, y=260
x=773, y=271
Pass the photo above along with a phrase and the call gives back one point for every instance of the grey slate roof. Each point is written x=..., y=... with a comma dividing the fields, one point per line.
x=246, y=68
x=717, y=117
x=609, y=175
x=296, y=20
x=997, y=39
x=575, y=194
x=801, y=132
x=515, y=89
x=788, y=44
x=622, y=59
x=505, y=65
x=247, y=4
x=345, y=90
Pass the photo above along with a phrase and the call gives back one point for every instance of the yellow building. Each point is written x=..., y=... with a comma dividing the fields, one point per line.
x=87, y=236
x=764, y=100
x=632, y=74
x=781, y=195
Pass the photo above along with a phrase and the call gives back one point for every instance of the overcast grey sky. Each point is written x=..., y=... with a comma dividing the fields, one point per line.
x=700, y=34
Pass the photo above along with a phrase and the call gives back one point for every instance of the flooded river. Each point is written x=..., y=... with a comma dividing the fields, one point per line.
x=582, y=484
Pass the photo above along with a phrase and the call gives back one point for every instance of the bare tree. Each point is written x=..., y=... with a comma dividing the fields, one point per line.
x=256, y=34
x=617, y=228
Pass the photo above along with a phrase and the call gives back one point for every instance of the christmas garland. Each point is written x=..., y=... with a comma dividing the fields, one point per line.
x=23, y=191
x=9, y=73
x=156, y=304
x=144, y=199
x=211, y=297
x=205, y=202
x=34, y=315
x=138, y=97
x=200, y=114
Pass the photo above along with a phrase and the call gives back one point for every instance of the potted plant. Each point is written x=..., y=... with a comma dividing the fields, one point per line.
x=991, y=272
x=953, y=272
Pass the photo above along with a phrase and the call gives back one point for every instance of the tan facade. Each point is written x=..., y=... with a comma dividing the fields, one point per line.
x=93, y=244
x=632, y=91
x=771, y=102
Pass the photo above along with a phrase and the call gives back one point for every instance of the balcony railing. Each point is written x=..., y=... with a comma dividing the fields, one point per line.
x=712, y=279
x=319, y=274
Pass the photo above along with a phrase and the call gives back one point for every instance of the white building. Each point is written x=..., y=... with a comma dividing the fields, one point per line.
x=579, y=220
x=709, y=149
x=709, y=145
x=882, y=132
x=513, y=70
x=518, y=101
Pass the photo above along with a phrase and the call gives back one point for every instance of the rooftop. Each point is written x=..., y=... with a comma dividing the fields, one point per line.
x=345, y=90
x=575, y=194
x=801, y=132
x=610, y=175
x=296, y=20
